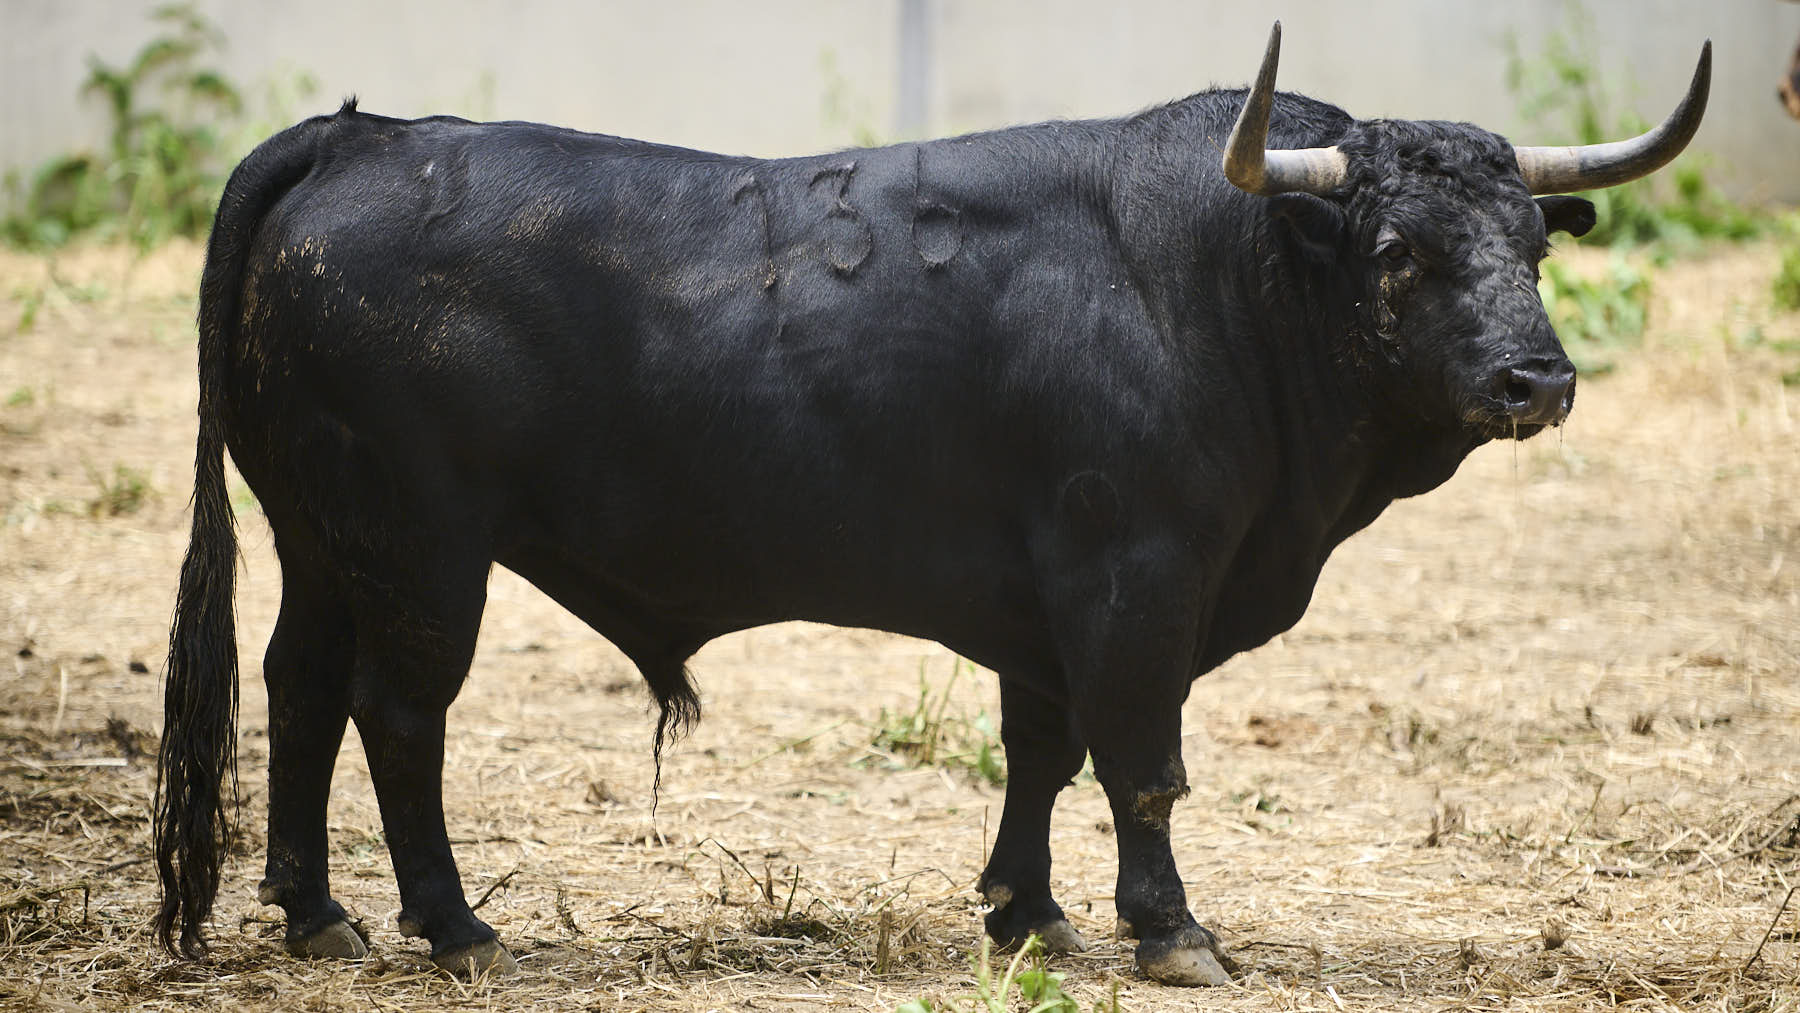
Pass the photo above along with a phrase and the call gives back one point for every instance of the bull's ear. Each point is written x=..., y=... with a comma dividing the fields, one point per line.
x=1315, y=223
x=1563, y=213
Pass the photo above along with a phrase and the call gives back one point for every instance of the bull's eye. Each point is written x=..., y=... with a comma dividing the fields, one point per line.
x=1393, y=254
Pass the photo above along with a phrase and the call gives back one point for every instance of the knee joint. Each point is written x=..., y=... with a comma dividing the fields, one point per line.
x=1153, y=804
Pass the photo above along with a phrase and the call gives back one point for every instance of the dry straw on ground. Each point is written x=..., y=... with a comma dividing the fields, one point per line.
x=1537, y=745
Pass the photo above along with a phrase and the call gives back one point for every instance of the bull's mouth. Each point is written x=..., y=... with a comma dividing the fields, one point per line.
x=1504, y=428
x=1492, y=418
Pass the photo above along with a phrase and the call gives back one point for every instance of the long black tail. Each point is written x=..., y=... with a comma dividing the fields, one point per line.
x=196, y=768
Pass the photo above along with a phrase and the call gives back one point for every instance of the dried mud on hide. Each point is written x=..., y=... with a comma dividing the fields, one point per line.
x=1536, y=745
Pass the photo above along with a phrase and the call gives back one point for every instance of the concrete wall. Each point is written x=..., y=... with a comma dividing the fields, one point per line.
x=792, y=76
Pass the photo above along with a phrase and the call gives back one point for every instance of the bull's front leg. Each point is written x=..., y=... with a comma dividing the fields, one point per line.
x=1125, y=607
x=1135, y=738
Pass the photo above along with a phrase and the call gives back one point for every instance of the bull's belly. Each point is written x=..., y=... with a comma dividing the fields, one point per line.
x=686, y=586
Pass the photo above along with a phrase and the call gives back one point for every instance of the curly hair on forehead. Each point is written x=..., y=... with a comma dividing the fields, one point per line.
x=1432, y=172
x=1387, y=156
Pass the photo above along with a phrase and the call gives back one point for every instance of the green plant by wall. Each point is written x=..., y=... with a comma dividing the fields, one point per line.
x=161, y=172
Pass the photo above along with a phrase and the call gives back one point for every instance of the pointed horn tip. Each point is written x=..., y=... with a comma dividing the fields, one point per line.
x=1703, y=68
x=1271, y=57
x=1702, y=83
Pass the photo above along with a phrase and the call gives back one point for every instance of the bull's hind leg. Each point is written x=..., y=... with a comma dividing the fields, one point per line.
x=1042, y=754
x=307, y=672
x=415, y=639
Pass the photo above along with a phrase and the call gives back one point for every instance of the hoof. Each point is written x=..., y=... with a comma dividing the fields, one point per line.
x=1189, y=957
x=1013, y=921
x=339, y=939
x=487, y=958
x=1060, y=937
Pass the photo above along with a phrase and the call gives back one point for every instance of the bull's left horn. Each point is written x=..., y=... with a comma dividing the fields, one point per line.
x=1252, y=168
x=1592, y=166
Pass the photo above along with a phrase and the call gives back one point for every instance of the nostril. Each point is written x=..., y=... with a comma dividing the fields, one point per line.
x=1537, y=395
x=1518, y=390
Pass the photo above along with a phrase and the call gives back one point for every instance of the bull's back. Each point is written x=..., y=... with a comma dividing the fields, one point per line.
x=774, y=380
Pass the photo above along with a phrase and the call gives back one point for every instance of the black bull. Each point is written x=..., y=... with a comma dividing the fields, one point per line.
x=1060, y=397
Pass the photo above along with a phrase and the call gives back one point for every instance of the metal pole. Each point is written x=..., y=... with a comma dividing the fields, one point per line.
x=915, y=69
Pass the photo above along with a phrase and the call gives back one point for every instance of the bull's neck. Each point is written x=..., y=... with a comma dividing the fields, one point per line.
x=1349, y=446
x=1272, y=343
x=1345, y=450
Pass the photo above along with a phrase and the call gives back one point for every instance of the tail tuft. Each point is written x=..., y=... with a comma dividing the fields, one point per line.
x=679, y=704
x=196, y=769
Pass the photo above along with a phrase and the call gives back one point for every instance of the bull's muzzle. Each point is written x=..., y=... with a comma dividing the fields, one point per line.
x=1539, y=393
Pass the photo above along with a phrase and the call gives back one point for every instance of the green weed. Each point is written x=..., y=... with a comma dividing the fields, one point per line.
x=929, y=736
x=30, y=302
x=125, y=492
x=1594, y=317
x=21, y=397
x=1040, y=989
x=1785, y=290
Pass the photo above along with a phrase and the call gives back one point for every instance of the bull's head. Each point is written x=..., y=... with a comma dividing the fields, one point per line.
x=1439, y=223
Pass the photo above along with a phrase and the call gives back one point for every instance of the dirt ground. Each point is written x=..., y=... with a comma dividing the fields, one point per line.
x=1536, y=745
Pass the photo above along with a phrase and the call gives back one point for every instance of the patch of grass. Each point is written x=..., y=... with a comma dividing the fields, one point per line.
x=21, y=397
x=929, y=736
x=30, y=302
x=125, y=492
x=1754, y=337
x=1784, y=291
x=1595, y=317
